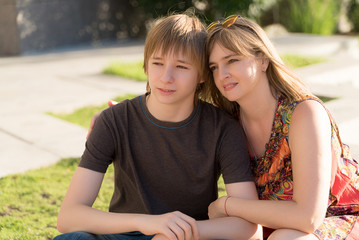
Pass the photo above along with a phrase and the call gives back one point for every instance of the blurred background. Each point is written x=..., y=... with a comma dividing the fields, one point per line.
x=28, y=26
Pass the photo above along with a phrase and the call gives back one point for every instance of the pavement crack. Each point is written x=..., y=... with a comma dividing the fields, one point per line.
x=16, y=136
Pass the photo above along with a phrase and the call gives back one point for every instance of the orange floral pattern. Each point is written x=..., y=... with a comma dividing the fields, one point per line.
x=274, y=177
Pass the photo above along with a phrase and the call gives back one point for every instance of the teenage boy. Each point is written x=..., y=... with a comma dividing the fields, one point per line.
x=168, y=149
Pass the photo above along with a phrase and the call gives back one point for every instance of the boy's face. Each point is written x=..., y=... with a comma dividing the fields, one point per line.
x=173, y=78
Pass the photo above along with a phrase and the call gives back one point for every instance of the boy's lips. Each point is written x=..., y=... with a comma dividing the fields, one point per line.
x=229, y=86
x=166, y=91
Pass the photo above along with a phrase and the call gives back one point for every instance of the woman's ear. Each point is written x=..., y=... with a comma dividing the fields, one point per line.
x=264, y=64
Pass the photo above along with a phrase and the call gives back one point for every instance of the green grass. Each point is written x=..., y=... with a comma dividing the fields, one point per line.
x=134, y=70
x=326, y=99
x=29, y=202
x=83, y=116
x=297, y=61
x=131, y=70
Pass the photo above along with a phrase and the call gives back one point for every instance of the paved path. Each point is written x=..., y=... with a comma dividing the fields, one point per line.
x=63, y=81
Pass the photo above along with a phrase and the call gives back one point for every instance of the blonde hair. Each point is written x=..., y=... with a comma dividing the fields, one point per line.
x=247, y=38
x=179, y=33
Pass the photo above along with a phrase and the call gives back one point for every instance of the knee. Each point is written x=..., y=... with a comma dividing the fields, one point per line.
x=285, y=234
x=75, y=236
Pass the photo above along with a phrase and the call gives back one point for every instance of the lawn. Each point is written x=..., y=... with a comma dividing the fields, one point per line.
x=29, y=202
x=297, y=61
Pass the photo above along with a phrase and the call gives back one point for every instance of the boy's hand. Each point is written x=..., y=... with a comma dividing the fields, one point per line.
x=110, y=103
x=172, y=226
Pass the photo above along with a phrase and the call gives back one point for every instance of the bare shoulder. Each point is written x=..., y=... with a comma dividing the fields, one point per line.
x=310, y=110
x=310, y=120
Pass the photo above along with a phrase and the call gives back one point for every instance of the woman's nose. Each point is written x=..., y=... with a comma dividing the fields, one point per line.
x=223, y=73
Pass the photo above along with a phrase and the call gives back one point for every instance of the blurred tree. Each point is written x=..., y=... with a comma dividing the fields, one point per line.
x=206, y=10
x=309, y=16
x=353, y=14
x=218, y=8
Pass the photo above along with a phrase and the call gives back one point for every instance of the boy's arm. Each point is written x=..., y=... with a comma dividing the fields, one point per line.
x=77, y=214
x=232, y=227
x=110, y=103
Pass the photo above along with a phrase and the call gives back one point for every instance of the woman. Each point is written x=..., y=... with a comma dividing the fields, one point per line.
x=307, y=182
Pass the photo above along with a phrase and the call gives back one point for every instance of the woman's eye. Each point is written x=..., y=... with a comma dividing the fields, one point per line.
x=212, y=68
x=232, y=60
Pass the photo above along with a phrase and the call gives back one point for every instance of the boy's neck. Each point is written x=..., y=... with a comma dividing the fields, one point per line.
x=169, y=112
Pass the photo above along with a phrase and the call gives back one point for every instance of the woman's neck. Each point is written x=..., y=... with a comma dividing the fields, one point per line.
x=258, y=103
x=257, y=113
x=257, y=107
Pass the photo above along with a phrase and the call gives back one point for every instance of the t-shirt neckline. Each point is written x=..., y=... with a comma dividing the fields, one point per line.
x=164, y=124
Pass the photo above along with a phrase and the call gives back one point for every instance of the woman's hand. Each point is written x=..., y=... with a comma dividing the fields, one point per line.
x=216, y=209
x=172, y=226
x=110, y=103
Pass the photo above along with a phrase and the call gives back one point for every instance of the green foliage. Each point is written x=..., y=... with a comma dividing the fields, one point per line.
x=310, y=16
x=208, y=10
x=159, y=8
x=353, y=14
x=132, y=70
x=229, y=7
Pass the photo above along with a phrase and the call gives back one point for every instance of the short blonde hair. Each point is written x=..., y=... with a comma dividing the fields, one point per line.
x=179, y=33
x=247, y=38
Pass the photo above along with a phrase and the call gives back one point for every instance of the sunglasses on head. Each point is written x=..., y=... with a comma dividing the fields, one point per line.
x=225, y=23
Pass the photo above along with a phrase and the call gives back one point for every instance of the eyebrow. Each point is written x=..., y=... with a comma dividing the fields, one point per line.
x=178, y=60
x=225, y=57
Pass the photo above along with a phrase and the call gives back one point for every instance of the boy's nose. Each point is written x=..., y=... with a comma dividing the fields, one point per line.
x=167, y=75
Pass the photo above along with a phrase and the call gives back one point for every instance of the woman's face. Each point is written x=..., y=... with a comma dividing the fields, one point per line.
x=235, y=75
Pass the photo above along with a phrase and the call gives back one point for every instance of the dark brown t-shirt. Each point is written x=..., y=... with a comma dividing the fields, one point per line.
x=164, y=166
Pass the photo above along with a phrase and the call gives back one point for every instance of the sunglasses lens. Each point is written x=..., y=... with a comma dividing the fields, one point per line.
x=211, y=26
x=226, y=23
x=229, y=21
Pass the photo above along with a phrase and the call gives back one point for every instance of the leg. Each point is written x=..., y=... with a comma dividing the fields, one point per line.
x=76, y=236
x=285, y=234
x=89, y=236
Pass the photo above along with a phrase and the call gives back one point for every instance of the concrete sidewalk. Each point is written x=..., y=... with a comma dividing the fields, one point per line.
x=63, y=81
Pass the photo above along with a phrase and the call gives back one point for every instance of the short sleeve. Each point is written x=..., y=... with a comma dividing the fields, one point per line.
x=233, y=155
x=100, y=146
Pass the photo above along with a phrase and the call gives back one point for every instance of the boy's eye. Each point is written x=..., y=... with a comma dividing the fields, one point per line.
x=157, y=63
x=182, y=67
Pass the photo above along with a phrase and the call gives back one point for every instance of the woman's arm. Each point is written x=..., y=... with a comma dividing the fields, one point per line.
x=77, y=214
x=232, y=227
x=310, y=144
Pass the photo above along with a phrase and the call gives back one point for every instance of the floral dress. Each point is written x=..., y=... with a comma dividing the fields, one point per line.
x=274, y=178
